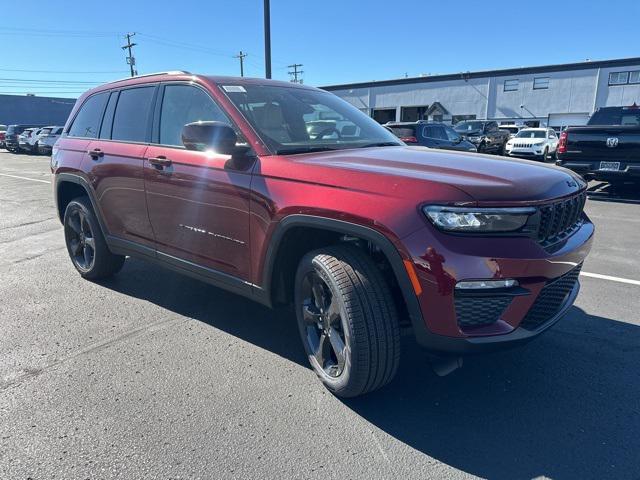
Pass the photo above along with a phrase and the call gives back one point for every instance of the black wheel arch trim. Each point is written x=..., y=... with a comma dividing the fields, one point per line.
x=66, y=177
x=347, y=228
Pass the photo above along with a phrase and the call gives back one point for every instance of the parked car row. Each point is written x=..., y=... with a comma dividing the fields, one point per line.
x=33, y=139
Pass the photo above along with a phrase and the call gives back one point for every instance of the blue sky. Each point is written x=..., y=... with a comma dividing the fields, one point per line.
x=338, y=41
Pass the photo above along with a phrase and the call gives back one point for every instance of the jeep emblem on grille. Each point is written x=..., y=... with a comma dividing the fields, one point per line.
x=612, y=142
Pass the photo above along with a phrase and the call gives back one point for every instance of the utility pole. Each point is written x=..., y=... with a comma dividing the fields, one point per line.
x=131, y=60
x=241, y=57
x=295, y=72
x=267, y=39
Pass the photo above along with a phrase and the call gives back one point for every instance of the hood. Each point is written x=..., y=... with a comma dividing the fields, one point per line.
x=487, y=179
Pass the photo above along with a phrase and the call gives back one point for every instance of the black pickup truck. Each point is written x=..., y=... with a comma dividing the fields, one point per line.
x=607, y=148
x=485, y=135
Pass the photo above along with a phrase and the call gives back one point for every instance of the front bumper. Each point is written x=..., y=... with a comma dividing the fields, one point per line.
x=525, y=153
x=448, y=259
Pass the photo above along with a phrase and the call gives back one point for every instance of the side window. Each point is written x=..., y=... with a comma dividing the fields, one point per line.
x=428, y=132
x=131, y=119
x=87, y=121
x=184, y=104
x=492, y=127
x=440, y=134
x=107, y=121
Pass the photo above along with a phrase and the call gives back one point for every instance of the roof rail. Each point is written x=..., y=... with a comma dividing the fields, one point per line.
x=169, y=72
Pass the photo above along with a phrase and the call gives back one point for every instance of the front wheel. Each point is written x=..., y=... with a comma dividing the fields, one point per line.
x=545, y=155
x=347, y=320
x=86, y=244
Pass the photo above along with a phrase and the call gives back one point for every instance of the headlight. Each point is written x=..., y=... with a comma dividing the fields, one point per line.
x=463, y=219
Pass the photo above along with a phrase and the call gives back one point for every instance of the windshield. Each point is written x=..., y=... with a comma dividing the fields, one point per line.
x=297, y=120
x=616, y=116
x=468, y=126
x=531, y=134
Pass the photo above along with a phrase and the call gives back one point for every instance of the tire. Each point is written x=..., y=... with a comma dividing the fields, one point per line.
x=545, y=155
x=347, y=320
x=86, y=244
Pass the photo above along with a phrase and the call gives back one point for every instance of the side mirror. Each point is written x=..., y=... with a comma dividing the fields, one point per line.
x=216, y=136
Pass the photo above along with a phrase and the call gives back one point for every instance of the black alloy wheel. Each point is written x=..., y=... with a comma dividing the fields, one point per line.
x=323, y=324
x=80, y=240
x=347, y=320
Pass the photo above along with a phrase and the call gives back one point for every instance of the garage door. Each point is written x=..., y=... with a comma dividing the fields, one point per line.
x=559, y=121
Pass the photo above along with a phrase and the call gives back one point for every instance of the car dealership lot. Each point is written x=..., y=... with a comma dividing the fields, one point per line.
x=154, y=374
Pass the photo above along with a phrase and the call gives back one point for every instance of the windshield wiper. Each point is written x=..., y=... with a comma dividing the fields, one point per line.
x=291, y=151
x=381, y=144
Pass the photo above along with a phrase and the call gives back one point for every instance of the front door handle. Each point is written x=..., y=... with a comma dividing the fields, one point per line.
x=96, y=153
x=160, y=162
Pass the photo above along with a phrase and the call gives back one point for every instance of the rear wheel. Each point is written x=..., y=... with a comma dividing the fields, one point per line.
x=347, y=320
x=86, y=244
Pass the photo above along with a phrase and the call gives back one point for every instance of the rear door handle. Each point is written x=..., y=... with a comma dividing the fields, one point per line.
x=96, y=153
x=160, y=161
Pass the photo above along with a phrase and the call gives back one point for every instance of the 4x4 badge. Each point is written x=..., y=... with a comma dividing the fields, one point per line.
x=612, y=142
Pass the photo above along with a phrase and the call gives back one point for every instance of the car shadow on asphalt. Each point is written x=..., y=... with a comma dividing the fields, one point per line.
x=273, y=330
x=563, y=406
x=622, y=193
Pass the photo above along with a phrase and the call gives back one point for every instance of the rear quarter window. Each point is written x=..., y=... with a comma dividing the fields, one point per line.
x=87, y=120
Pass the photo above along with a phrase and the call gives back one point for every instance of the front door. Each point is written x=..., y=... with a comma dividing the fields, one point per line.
x=198, y=202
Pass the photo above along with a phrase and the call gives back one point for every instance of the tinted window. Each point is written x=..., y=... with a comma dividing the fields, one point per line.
x=131, y=120
x=404, y=131
x=616, y=116
x=87, y=121
x=107, y=122
x=435, y=131
x=184, y=104
x=468, y=126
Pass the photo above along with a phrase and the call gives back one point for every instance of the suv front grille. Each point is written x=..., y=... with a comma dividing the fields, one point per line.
x=476, y=311
x=560, y=219
x=551, y=299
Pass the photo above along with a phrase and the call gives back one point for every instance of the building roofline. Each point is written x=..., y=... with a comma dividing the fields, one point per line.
x=621, y=62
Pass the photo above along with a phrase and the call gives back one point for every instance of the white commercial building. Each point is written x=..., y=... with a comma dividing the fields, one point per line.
x=553, y=95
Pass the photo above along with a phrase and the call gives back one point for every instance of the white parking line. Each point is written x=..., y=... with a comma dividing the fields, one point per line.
x=610, y=278
x=25, y=178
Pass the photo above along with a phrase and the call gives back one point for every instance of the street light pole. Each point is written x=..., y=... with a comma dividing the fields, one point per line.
x=267, y=39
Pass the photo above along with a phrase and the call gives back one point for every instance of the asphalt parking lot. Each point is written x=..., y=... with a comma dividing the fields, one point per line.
x=154, y=375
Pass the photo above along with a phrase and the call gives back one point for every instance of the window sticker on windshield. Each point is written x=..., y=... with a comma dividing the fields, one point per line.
x=234, y=89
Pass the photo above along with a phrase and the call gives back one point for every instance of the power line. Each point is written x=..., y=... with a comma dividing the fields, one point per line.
x=295, y=73
x=241, y=56
x=35, y=80
x=61, y=71
x=131, y=60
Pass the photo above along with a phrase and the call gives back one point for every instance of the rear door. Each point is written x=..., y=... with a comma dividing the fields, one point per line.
x=115, y=164
x=435, y=136
x=198, y=201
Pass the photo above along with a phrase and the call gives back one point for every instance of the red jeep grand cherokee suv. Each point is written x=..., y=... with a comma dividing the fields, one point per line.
x=231, y=181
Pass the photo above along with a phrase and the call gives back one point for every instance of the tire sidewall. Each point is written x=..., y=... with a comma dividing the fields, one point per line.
x=308, y=264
